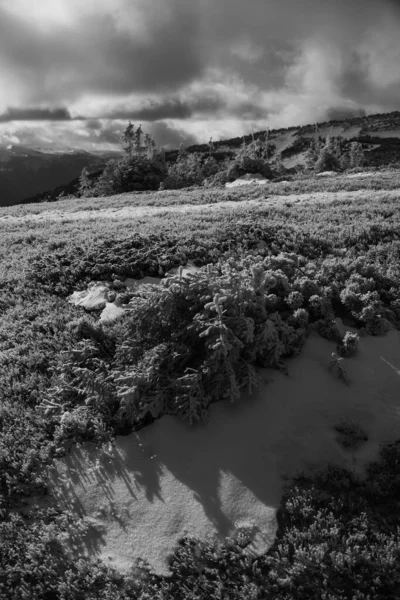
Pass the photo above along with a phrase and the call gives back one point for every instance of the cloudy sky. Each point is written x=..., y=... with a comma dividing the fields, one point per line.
x=73, y=72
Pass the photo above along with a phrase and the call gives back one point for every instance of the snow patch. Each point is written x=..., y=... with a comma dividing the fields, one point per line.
x=111, y=312
x=189, y=269
x=326, y=174
x=94, y=298
x=248, y=179
x=356, y=175
x=134, y=284
x=293, y=161
x=168, y=480
x=99, y=295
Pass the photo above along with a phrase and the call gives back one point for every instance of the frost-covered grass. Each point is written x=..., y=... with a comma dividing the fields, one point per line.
x=275, y=269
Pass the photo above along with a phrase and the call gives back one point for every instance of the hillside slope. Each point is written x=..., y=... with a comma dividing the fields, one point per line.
x=379, y=134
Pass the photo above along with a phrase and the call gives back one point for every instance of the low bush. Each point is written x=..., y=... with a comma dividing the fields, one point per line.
x=135, y=173
x=351, y=434
x=349, y=344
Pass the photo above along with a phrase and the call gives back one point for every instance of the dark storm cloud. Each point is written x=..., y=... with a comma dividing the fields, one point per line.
x=170, y=137
x=197, y=106
x=166, y=135
x=154, y=111
x=176, y=42
x=287, y=61
x=35, y=114
x=93, y=124
x=97, y=55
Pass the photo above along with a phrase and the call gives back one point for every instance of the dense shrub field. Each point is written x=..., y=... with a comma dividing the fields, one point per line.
x=269, y=274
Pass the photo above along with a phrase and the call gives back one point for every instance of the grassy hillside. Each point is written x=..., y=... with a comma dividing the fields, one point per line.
x=278, y=261
x=378, y=134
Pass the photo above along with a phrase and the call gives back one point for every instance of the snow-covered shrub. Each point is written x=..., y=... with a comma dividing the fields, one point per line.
x=189, y=342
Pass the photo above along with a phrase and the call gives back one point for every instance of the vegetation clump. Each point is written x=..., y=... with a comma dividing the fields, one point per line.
x=349, y=344
x=333, y=154
x=195, y=340
x=352, y=435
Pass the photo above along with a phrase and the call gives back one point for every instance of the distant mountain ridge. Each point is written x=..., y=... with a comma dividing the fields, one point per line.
x=25, y=171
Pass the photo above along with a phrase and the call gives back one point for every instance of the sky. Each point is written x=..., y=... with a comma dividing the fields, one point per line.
x=74, y=72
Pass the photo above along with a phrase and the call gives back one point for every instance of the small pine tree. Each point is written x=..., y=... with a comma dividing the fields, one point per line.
x=243, y=149
x=313, y=152
x=85, y=185
x=182, y=154
x=210, y=167
x=142, y=169
x=327, y=161
x=344, y=161
x=211, y=146
x=337, y=147
x=186, y=171
x=138, y=140
x=326, y=157
x=106, y=184
x=150, y=145
x=356, y=155
x=127, y=139
x=266, y=142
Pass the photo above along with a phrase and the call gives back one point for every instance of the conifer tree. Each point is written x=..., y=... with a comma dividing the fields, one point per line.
x=108, y=184
x=356, y=155
x=211, y=146
x=313, y=152
x=266, y=142
x=138, y=140
x=150, y=145
x=85, y=186
x=337, y=147
x=127, y=139
x=182, y=154
x=327, y=160
x=344, y=161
